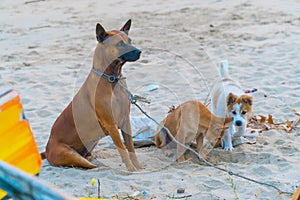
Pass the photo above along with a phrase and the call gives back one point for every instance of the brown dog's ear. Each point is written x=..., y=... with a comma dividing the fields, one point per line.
x=247, y=99
x=231, y=99
x=100, y=33
x=226, y=122
x=126, y=27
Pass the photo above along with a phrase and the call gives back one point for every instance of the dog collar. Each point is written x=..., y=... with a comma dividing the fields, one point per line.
x=110, y=78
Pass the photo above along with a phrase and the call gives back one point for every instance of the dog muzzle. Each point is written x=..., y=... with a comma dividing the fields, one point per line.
x=130, y=55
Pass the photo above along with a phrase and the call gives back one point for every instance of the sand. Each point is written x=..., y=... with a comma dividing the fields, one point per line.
x=46, y=53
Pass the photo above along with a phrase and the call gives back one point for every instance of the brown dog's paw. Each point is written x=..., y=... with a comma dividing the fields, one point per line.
x=135, y=161
x=137, y=165
x=131, y=168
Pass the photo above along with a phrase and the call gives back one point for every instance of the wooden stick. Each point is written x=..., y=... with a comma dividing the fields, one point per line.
x=39, y=27
x=33, y=1
x=98, y=189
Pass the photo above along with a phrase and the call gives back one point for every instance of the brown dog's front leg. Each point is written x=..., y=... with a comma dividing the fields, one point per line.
x=130, y=147
x=114, y=133
x=127, y=135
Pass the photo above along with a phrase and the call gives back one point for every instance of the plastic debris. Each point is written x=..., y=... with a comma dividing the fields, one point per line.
x=180, y=190
x=152, y=87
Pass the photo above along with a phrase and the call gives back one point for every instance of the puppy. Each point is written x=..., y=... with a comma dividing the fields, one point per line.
x=191, y=120
x=229, y=100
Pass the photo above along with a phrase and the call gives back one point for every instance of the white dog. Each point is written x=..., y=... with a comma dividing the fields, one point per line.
x=228, y=100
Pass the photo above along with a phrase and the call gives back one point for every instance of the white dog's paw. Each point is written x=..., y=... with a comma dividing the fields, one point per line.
x=227, y=146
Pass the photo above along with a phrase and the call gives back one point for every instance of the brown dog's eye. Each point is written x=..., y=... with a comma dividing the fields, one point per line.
x=119, y=44
x=243, y=112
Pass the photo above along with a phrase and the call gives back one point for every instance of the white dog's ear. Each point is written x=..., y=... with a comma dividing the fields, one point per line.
x=247, y=99
x=231, y=99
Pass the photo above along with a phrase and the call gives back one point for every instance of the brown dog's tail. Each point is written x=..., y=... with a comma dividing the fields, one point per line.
x=43, y=155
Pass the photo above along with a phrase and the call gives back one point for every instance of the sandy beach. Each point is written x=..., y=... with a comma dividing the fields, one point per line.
x=47, y=51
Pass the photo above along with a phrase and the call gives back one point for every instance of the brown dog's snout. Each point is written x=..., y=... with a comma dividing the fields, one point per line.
x=130, y=54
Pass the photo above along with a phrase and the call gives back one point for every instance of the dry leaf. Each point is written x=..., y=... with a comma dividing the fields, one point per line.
x=263, y=118
x=293, y=111
x=267, y=127
x=287, y=129
x=252, y=131
x=288, y=124
x=258, y=119
x=270, y=119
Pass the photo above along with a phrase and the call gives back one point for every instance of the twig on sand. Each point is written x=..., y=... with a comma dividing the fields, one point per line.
x=232, y=184
x=39, y=27
x=296, y=122
x=33, y=1
x=182, y=197
x=98, y=188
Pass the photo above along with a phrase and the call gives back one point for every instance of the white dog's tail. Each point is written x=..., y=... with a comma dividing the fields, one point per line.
x=224, y=69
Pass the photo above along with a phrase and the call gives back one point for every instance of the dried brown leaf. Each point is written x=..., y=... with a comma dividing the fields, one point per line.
x=258, y=119
x=252, y=131
x=288, y=124
x=287, y=129
x=270, y=119
x=263, y=118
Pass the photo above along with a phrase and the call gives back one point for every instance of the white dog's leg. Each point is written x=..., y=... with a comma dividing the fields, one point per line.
x=227, y=139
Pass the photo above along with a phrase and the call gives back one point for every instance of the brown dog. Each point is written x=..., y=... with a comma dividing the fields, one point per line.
x=100, y=107
x=191, y=120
